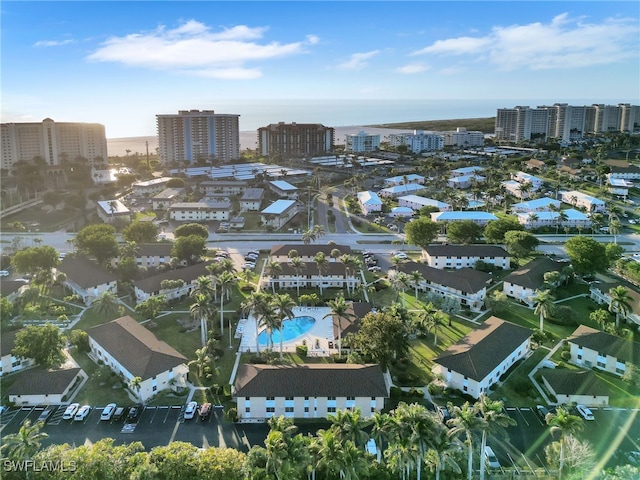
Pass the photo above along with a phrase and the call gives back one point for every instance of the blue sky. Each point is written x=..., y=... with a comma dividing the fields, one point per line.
x=121, y=63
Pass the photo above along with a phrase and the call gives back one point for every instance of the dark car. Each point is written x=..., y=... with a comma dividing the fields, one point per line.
x=542, y=412
x=443, y=413
x=46, y=413
x=135, y=412
x=119, y=414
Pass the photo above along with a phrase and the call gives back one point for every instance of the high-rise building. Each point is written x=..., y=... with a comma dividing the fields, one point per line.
x=295, y=139
x=630, y=121
x=195, y=136
x=54, y=142
x=361, y=142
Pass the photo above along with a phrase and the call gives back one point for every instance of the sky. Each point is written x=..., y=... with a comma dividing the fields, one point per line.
x=121, y=63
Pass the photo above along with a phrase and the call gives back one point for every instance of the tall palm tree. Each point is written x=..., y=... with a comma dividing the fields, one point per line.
x=496, y=421
x=318, y=231
x=380, y=423
x=543, y=305
x=25, y=443
x=107, y=304
x=563, y=424
x=614, y=229
x=226, y=282
x=400, y=282
x=442, y=453
x=298, y=265
x=351, y=264
x=201, y=360
x=415, y=279
x=424, y=321
x=401, y=458
x=340, y=309
x=284, y=305
x=620, y=302
x=322, y=262
x=349, y=426
x=466, y=422
x=273, y=269
x=258, y=303
x=204, y=286
x=203, y=310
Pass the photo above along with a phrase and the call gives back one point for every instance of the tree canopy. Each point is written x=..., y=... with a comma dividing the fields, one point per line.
x=421, y=232
x=43, y=343
x=382, y=336
x=191, y=229
x=98, y=241
x=587, y=255
x=140, y=232
x=464, y=231
x=495, y=230
x=189, y=248
x=35, y=259
x=520, y=243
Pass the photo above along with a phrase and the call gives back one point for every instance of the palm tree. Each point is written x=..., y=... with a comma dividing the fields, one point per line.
x=380, y=423
x=620, y=303
x=25, y=443
x=202, y=309
x=401, y=458
x=400, y=282
x=614, y=229
x=273, y=270
x=340, y=309
x=318, y=231
x=298, y=265
x=205, y=286
x=496, y=421
x=226, y=282
x=465, y=422
x=424, y=321
x=201, y=360
x=349, y=426
x=563, y=424
x=284, y=305
x=135, y=384
x=322, y=262
x=107, y=304
x=544, y=306
x=258, y=303
x=442, y=453
x=415, y=279
x=308, y=236
x=350, y=266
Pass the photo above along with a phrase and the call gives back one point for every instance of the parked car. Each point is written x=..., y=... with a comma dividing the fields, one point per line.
x=490, y=457
x=585, y=412
x=70, y=411
x=253, y=252
x=443, y=413
x=4, y=273
x=119, y=414
x=82, y=413
x=108, y=411
x=205, y=410
x=248, y=265
x=250, y=258
x=542, y=412
x=374, y=268
x=135, y=412
x=400, y=255
x=190, y=410
x=46, y=413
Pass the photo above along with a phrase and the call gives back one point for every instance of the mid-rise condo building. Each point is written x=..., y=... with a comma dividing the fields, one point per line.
x=361, y=142
x=295, y=139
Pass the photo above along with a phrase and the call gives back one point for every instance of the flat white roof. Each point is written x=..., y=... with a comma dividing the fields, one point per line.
x=466, y=178
x=278, y=207
x=409, y=187
x=369, y=198
x=115, y=207
x=424, y=201
x=153, y=181
x=401, y=178
x=466, y=170
x=583, y=196
x=282, y=185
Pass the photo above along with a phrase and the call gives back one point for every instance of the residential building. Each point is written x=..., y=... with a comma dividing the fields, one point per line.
x=466, y=285
x=202, y=211
x=574, y=219
x=521, y=123
x=12, y=289
x=370, y=202
x=575, y=387
x=9, y=363
x=110, y=211
x=40, y=386
x=279, y=213
x=481, y=218
x=295, y=139
x=86, y=278
x=418, y=141
x=55, y=142
x=131, y=350
x=630, y=118
x=146, y=288
x=591, y=348
x=401, y=190
x=335, y=275
x=618, y=186
x=539, y=205
x=251, y=200
x=516, y=189
x=579, y=199
x=404, y=180
x=416, y=202
x=463, y=256
x=284, y=189
x=626, y=172
x=223, y=187
x=350, y=323
x=308, y=390
x=401, y=212
x=522, y=177
x=479, y=359
x=461, y=137
x=523, y=283
x=599, y=293
x=150, y=255
x=167, y=197
x=465, y=181
x=280, y=253
x=361, y=142
x=465, y=171
x=151, y=187
x=194, y=136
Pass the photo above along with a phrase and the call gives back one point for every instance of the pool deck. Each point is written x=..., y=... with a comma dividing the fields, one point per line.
x=319, y=337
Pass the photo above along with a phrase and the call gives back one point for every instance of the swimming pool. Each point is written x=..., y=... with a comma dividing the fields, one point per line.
x=291, y=329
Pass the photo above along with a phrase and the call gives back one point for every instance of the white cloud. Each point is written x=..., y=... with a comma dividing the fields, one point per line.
x=52, y=43
x=412, y=68
x=564, y=42
x=193, y=49
x=358, y=61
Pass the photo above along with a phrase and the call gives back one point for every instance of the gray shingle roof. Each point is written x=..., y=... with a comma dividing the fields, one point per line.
x=466, y=251
x=310, y=380
x=7, y=342
x=568, y=382
x=308, y=250
x=311, y=269
x=37, y=381
x=467, y=280
x=531, y=275
x=152, y=284
x=620, y=348
x=84, y=272
x=352, y=325
x=136, y=348
x=482, y=350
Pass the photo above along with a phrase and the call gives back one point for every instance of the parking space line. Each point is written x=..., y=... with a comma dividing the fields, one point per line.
x=523, y=418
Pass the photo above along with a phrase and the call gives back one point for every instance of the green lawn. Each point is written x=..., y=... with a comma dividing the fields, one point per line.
x=518, y=389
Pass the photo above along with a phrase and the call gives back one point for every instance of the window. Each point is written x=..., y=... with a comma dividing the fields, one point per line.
x=331, y=398
x=271, y=409
x=306, y=409
x=331, y=409
x=288, y=398
x=306, y=398
x=271, y=398
x=155, y=387
x=247, y=410
x=351, y=398
x=288, y=409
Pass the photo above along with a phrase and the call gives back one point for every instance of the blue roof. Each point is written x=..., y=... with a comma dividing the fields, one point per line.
x=282, y=185
x=278, y=207
x=537, y=203
x=463, y=215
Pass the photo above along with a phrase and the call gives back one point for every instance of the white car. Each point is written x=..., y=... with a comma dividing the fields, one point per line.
x=82, y=413
x=490, y=457
x=374, y=268
x=248, y=266
x=70, y=411
x=108, y=411
x=585, y=412
x=401, y=255
x=190, y=411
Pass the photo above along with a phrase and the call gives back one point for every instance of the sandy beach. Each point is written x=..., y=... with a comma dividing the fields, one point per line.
x=248, y=139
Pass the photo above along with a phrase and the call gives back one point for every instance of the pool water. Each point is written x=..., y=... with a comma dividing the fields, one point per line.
x=291, y=329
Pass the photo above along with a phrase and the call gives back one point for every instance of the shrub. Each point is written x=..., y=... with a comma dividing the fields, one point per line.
x=435, y=389
x=566, y=355
x=338, y=359
x=302, y=350
x=257, y=360
x=395, y=392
